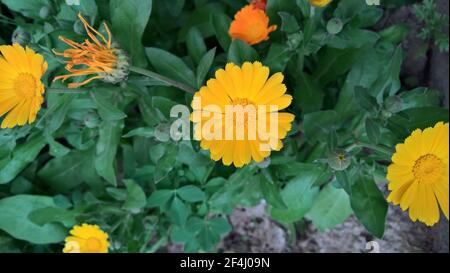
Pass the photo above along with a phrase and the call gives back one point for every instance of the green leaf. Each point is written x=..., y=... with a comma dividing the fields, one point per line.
x=65, y=173
x=54, y=214
x=420, y=97
x=317, y=125
x=191, y=193
x=27, y=8
x=298, y=195
x=170, y=65
x=105, y=108
x=365, y=100
x=308, y=94
x=369, y=205
x=136, y=198
x=129, y=20
x=373, y=131
x=288, y=22
x=395, y=33
x=353, y=38
x=109, y=138
x=331, y=207
x=140, y=132
x=195, y=44
x=241, y=52
x=178, y=211
x=14, y=213
x=204, y=66
x=389, y=81
x=23, y=155
x=159, y=198
x=163, y=104
x=271, y=193
x=333, y=63
x=181, y=235
x=277, y=57
x=405, y=122
x=221, y=23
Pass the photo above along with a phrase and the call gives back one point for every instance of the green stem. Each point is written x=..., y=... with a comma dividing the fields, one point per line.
x=66, y=91
x=163, y=79
x=381, y=149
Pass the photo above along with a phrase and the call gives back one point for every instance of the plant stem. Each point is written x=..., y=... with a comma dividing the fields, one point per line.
x=163, y=79
x=381, y=149
x=66, y=91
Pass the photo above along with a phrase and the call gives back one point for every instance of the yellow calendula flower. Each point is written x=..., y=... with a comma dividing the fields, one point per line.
x=86, y=239
x=98, y=57
x=236, y=114
x=418, y=176
x=21, y=89
x=251, y=25
x=320, y=3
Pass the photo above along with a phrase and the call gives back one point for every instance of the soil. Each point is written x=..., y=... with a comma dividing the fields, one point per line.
x=253, y=231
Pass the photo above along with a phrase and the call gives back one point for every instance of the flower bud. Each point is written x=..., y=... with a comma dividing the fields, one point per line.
x=44, y=12
x=162, y=132
x=92, y=120
x=334, y=26
x=393, y=104
x=21, y=36
x=339, y=160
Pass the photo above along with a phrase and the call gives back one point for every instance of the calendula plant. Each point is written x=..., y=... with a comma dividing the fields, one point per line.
x=89, y=161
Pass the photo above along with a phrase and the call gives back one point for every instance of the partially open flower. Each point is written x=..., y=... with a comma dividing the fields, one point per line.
x=98, y=57
x=251, y=25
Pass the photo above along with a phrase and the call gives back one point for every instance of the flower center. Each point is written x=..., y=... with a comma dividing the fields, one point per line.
x=93, y=244
x=428, y=168
x=25, y=85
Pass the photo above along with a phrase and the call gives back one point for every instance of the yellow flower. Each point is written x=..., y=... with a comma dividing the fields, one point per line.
x=241, y=89
x=251, y=25
x=99, y=57
x=319, y=3
x=86, y=239
x=418, y=176
x=21, y=89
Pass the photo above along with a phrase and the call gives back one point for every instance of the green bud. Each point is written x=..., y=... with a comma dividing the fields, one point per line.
x=294, y=40
x=44, y=12
x=92, y=120
x=334, y=26
x=338, y=160
x=393, y=104
x=78, y=27
x=21, y=36
x=162, y=132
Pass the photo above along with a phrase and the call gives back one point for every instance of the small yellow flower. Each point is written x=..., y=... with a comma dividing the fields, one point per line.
x=251, y=25
x=99, y=57
x=242, y=88
x=86, y=239
x=320, y=3
x=21, y=89
x=418, y=177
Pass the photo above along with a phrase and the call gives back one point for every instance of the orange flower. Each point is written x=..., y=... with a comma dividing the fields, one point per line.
x=98, y=57
x=251, y=25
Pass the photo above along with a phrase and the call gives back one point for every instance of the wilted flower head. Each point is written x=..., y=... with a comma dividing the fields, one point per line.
x=98, y=56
